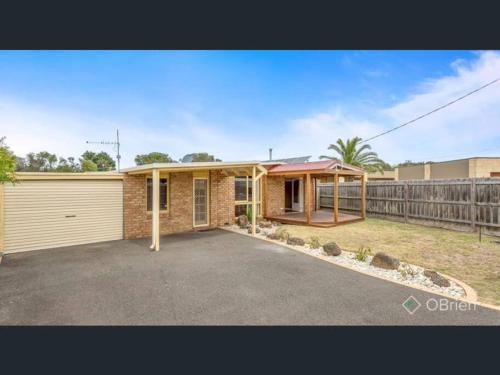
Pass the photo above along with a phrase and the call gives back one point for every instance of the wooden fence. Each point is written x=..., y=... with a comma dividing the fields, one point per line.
x=471, y=202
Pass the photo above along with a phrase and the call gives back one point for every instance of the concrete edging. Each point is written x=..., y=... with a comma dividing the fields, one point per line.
x=470, y=293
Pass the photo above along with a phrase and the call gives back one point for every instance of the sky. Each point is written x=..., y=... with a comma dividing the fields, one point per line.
x=238, y=104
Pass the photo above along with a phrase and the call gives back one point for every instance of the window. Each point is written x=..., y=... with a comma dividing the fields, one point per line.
x=243, y=195
x=163, y=194
x=240, y=189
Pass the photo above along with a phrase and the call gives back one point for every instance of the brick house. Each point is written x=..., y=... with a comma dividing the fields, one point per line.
x=47, y=210
x=166, y=198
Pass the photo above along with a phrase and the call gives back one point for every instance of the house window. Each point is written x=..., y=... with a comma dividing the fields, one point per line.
x=243, y=195
x=163, y=194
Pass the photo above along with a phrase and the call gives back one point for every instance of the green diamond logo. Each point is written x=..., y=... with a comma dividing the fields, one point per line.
x=411, y=305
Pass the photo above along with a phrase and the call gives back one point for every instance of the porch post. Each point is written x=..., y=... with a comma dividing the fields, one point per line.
x=263, y=196
x=254, y=201
x=363, y=196
x=308, y=198
x=336, y=198
x=156, y=211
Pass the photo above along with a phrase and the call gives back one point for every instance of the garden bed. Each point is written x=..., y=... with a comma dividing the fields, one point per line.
x=408, y=274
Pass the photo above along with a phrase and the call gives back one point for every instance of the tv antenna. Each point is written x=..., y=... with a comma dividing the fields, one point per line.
x=116, y=146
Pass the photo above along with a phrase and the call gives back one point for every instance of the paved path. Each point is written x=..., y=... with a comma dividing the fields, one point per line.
x=214, y=278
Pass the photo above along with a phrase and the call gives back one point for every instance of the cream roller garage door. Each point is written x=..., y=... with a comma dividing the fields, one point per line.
x=54, y=213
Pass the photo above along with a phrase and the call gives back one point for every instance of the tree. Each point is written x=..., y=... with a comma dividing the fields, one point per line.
x=153, y=157
x=41, y=162
x=409, y=163
x=198, y=157
x=68, y=165
x=88, y=166
x=102, y=159
x=7, y=163
x=350, y=153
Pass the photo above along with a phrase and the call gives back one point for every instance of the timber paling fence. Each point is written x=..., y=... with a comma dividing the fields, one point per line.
x=471, y=202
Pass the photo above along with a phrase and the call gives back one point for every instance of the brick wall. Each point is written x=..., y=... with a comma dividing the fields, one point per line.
x=179, y=217
x=275, y=195
x=221, y=198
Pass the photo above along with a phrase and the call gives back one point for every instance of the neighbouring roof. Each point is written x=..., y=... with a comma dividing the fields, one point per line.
x=294, y=160
x=313, y=166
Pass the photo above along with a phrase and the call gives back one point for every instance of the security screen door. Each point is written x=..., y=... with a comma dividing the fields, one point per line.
x=200, y=211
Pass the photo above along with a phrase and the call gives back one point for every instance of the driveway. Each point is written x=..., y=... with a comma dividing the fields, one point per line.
x=213, y=277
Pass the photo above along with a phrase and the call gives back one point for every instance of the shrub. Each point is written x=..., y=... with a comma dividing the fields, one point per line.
x=406, y=270
x=249, y=214
x=363, y=253
x=282, y=233
x=314, y=242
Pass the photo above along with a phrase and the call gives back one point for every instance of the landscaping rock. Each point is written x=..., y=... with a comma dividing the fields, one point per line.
x=265, y=224
x=332, y=249
x=295, y=241
x=382, y=260
x=242, y=221
x=257, y=230
x=273, y=236
x=436, y=278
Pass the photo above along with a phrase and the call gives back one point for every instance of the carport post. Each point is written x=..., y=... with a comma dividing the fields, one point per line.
x=155, y=233
x=254, y=201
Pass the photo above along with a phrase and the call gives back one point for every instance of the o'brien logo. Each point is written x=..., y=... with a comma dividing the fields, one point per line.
x=443, y=304
x=411, y=305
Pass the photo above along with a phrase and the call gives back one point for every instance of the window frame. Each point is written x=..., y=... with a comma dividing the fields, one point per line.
x=248, y=201
x=167, y=195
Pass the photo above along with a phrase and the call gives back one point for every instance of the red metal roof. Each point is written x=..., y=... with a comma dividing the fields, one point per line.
x=310, y=166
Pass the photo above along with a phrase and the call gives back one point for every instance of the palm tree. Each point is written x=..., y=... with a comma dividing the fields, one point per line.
x=359, y=157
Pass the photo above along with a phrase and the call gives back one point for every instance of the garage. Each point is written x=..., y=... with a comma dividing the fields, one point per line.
x=61, y=210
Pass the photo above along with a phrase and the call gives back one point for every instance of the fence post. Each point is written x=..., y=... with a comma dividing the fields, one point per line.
x=473, y=204
x=405, y=190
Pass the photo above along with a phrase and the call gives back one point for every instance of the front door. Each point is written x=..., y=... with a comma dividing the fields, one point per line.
x=288, y=195
x=297, y=194
x=200, y=201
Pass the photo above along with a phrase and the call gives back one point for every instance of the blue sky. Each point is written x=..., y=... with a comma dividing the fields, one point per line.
x=237, y=104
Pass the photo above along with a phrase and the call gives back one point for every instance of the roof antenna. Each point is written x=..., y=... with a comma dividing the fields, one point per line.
x=116, y=146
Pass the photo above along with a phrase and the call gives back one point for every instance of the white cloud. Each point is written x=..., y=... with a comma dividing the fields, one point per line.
x=31, y=127
x=470, y=127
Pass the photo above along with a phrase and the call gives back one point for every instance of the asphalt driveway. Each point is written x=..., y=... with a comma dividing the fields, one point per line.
x=213, y=278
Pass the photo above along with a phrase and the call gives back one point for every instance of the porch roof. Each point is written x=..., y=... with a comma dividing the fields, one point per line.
x=232, y=167
x=316, y=167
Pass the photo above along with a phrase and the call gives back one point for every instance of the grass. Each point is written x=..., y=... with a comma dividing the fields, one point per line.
x=457, y=254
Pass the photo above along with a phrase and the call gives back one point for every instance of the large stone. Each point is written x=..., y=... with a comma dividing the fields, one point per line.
x=273, y=236
x=242, y=221
x=382, y=260
x=332, y=249
x=437, y=279
x=257, y=230
x=265, y=224
x=295, y=241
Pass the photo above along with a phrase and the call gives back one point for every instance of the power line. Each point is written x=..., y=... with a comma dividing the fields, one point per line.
x=433, y=111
